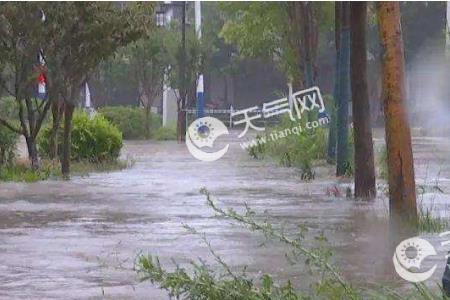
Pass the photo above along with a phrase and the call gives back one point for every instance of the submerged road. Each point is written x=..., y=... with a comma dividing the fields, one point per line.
x=78, y=239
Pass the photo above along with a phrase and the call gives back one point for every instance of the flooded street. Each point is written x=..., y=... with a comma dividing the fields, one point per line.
x=78, y=239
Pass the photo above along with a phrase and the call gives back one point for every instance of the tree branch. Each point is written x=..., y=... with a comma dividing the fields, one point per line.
x=41, y=118
x=10, y=126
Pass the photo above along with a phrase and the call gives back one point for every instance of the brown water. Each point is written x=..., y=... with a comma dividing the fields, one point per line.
x=78, y=239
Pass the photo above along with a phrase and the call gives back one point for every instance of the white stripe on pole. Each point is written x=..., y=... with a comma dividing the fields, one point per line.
x=87, y=97
x=198, y=19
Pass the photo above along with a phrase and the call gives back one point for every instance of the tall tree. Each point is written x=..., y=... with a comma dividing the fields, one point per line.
x=331, y=152
x=185, y=65
x=343, y=92
x=402, y=189
x=83, y=35
x=21, y=34
x=148, y=61
x=364, y=161
x=183, y=88
x=287, y=33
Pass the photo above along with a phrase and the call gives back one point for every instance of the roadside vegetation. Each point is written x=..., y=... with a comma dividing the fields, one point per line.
x=301, y=149
x=21, y=172
x=95, y=147
x=168, y=133
x=132, y=121
x=95, y=142
x=93, y=139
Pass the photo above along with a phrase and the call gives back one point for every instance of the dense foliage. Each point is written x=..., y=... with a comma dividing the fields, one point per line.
x=131, y=121
x=8, y=142
x=294, y=150
x=165, y=133
x=8, y=138
x=93, y=139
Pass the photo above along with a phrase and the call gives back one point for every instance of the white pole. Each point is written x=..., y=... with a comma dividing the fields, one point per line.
x=87, y=103
x=200, y=88
x=290, y=100
x=447, y=32
x=198, y=19
x=165, y=110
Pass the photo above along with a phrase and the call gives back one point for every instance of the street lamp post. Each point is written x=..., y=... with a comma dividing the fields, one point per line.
x=200, y=87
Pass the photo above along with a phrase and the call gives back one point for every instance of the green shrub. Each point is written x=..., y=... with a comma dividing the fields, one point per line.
x=165, y=133
x=258, y=149
x=294, y=150
x=131, y=121
x=93, y=139
x=8, y=144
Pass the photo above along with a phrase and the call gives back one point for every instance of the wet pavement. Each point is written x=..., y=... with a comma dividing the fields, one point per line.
x=78, y=239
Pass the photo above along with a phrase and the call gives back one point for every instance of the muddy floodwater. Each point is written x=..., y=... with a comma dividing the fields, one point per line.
x=78, y=239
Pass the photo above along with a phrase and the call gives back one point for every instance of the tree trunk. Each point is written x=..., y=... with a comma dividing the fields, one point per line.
x=65, y=162
x=295, y=17
x=181, y=122
x=307, y=42
x=181, y=126
x=364, y=161
x=343, y=92
x=332, y=129
x=32, y=152
x=147, y=121
x=402, y=189
x=57, y=111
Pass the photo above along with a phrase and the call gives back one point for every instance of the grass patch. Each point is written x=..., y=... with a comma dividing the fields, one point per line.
x=83, y=168
x=168, y=133
x=21, y=171
x=429, y=223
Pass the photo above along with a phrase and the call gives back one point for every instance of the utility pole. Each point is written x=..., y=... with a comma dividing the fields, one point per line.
x=183, y=53
x=200, y=88
x=182, y=105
